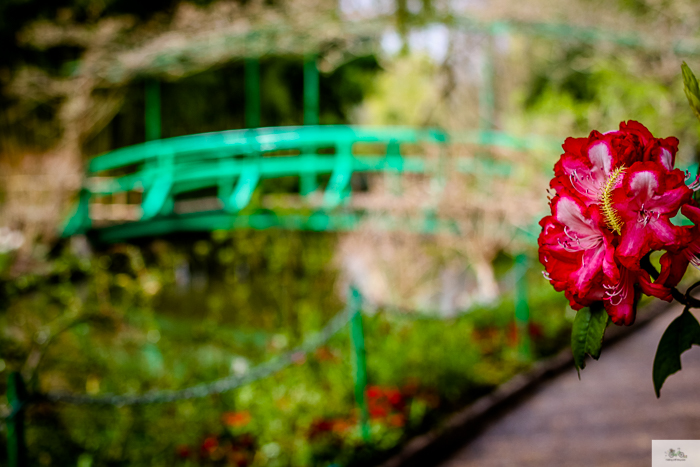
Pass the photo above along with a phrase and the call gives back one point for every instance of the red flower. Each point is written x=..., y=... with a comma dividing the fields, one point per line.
x=394, y=397
x=621, y=298
x=183, y=451
x=674, y=264
x=397, y=420
x=373, y=392
x=576, y=250
x=236, y=419
x=649, y=198
x=319, y=427
x=209, y=445
x=385, y=402
x=378, y=411
x=615, y=195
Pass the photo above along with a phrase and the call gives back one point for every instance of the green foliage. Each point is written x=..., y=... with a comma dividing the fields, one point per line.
x=690, y=87
x=171, y=315
x=404, y=94
x=577, y=88
x=587, y=333
x=680, y=335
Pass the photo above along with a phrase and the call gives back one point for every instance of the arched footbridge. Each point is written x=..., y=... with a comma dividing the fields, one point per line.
x=208, y=181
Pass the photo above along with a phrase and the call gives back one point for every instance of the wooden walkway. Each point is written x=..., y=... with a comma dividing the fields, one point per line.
x=607, y=419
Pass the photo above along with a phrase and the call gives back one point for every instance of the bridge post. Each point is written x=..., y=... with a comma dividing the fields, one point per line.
x=157, y=198
x=338, y=188
x=152, y=112
x=252, y=92
x=311, y=91
x=359, y=361
x=80, y=221
x=308, y=179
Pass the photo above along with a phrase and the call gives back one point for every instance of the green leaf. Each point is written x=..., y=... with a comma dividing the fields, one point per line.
x=680, y=335
x=587, y=334
x=692, y=91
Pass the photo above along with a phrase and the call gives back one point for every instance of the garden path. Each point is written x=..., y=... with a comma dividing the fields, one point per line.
x=607, y=419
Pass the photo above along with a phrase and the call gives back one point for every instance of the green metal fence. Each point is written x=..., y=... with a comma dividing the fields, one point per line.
x=19, y=399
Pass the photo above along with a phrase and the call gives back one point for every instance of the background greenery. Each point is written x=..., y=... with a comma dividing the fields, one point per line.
x=134, y=328
x=173, y=312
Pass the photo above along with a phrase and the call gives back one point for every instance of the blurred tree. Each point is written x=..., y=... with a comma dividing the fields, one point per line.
x=72, y=67
x=554, y=68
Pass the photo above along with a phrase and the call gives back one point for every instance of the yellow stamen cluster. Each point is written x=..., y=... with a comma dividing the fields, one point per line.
x=612, y=217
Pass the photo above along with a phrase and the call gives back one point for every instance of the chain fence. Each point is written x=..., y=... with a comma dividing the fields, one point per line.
x=261, y=371
x=19, y=399
x=274, y=365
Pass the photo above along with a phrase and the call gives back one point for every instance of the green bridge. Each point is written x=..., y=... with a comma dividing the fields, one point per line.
x=141, y=191
x=206, y=181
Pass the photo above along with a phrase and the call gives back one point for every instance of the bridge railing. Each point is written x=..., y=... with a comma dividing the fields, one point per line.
x=204, y=181
x=234, y=162
x=250, y=141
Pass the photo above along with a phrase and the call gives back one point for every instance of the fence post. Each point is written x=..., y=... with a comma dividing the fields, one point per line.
x=360, y=364
x=16, y=444
x=522, y=310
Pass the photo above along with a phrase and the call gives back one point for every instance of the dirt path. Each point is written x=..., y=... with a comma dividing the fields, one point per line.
x=607, y=419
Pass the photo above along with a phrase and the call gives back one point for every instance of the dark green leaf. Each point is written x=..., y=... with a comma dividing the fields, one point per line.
x=587, y=334
x=692, y=91
x=680, y=335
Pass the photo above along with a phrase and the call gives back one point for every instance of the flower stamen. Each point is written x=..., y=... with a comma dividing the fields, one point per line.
x=612, y=217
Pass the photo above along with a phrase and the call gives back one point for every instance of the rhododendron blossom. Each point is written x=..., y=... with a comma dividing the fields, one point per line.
x=673, y=265
x=614, y=195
